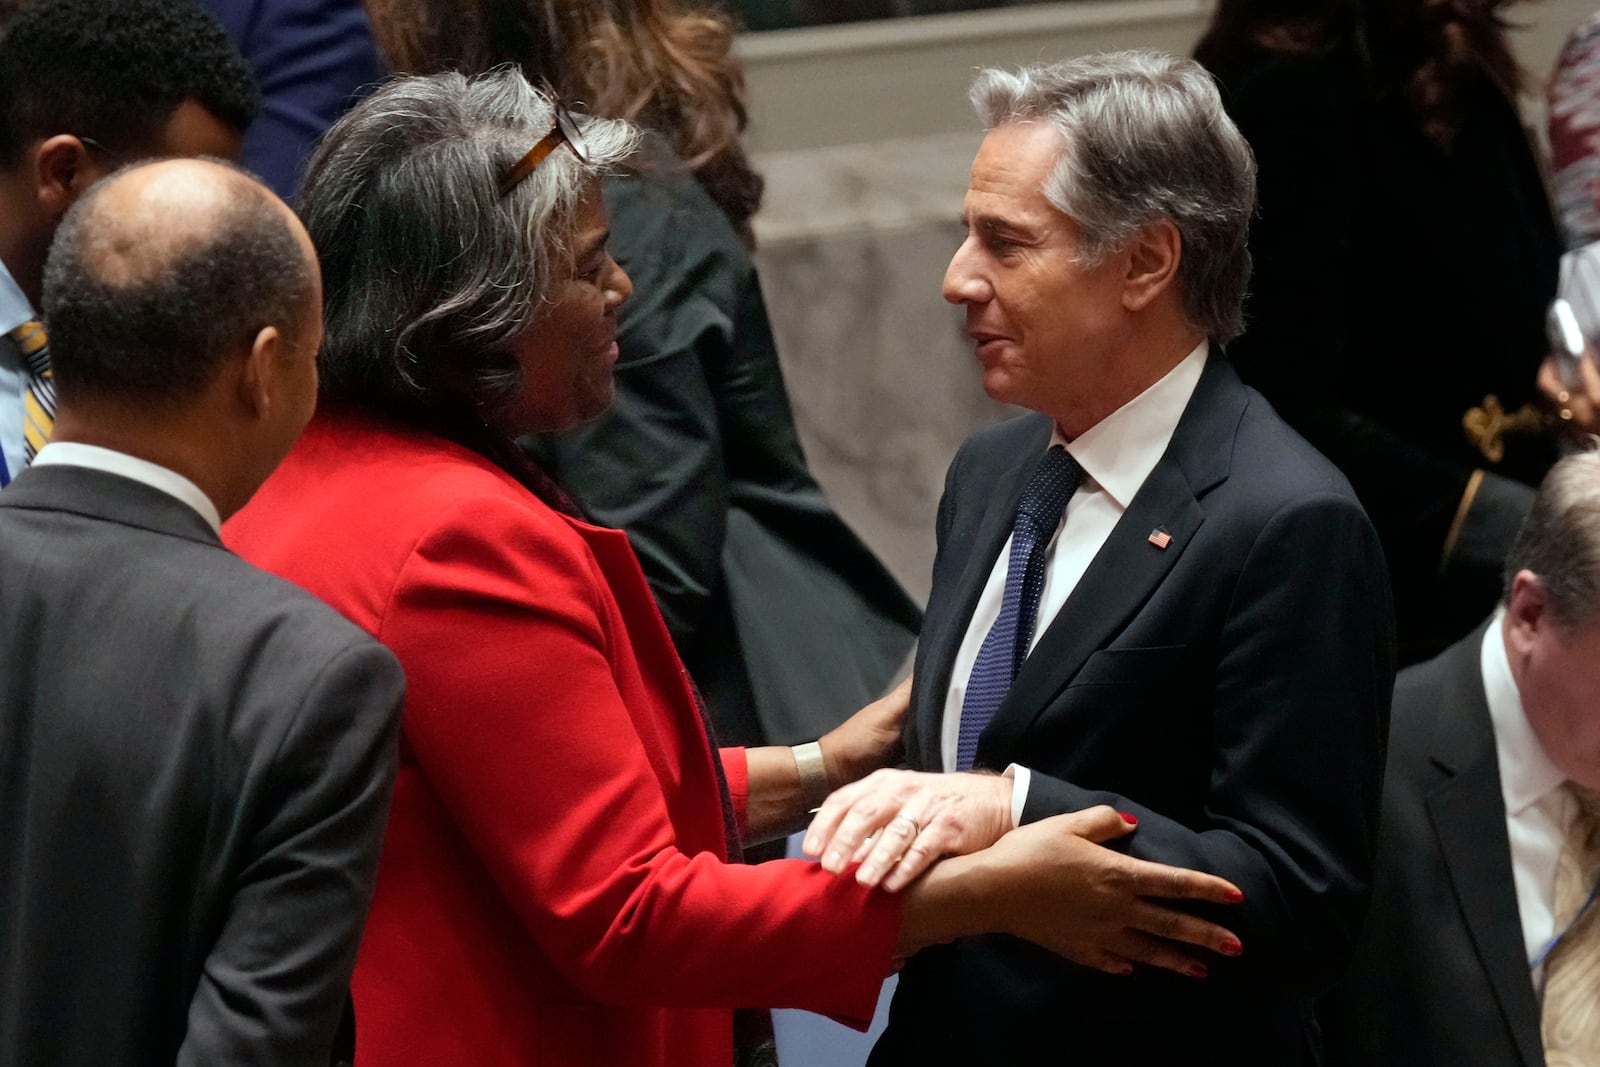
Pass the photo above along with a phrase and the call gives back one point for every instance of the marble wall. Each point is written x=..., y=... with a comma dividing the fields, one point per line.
x=879, y=367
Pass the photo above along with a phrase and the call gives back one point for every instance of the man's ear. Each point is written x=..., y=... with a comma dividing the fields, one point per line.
x=1153, y=259
x=63, y=169
x=1526, y=611
x=258, y=375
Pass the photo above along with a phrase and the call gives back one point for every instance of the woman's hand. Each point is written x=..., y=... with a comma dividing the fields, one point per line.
x=867, y=740
x=1101, y=908
x=1053, y=883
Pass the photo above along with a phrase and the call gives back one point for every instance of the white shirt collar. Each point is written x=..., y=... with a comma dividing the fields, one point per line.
x=73, y=454
x=1526, y=773
x=1121, y=450
x=14, y=307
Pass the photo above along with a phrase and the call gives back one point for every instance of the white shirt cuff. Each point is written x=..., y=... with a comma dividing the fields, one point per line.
x=1020, y=778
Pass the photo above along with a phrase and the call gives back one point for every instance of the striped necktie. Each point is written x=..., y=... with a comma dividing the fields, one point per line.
x=1570, y=1017
x=39, y=399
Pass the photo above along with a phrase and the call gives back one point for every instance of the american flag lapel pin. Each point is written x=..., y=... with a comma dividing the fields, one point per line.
x=1160, y=538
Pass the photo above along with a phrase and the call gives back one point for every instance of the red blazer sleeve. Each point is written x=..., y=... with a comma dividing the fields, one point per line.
x=517, y=661
x=736, y=769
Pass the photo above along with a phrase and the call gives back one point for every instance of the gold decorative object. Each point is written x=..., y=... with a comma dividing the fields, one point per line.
x=1488, y=424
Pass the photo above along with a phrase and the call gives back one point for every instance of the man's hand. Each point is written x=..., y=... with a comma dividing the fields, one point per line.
x=896, y=823
x=1575, y=402
x=1094, y=906
x=867, y=740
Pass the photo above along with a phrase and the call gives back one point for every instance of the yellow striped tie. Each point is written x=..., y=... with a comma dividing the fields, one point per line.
x=39, y=401
x=1570, y=1017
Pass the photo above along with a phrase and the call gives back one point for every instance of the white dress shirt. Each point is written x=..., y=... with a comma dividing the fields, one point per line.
x=14, y=311
x=1538, y=810
x=73, y=454
x=1117, y=455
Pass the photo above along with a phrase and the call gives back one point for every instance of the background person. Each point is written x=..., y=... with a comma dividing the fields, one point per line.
x=195, y=757
x=1487, y=843
x=85, y=86
x=1405, y=255
x=312, y=59
x=556, y=884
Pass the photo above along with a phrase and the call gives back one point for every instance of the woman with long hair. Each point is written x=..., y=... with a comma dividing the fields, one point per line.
x=1405, y=256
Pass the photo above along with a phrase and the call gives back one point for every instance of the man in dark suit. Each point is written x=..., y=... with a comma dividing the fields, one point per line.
x=85, y=87
x=1454, y=967
x=1200, y=637
x=195, y=757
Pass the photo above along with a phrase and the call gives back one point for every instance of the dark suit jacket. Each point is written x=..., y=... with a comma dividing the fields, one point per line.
x=786, y=621
x=1232, y=690
x=195, y=767
x=312, y=59
x=1440, y=977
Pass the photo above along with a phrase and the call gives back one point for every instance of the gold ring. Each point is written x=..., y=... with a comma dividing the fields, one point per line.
x=1563, y=396
x=1565, y=414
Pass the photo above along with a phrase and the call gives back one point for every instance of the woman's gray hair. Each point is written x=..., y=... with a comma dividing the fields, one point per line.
x=1560, y=540
x=429, y=273
x=1145, y=138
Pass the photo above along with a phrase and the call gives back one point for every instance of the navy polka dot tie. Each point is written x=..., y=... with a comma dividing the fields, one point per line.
x=1054, y=481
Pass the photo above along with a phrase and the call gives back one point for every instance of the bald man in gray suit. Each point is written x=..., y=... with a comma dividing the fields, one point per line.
x=195, y=757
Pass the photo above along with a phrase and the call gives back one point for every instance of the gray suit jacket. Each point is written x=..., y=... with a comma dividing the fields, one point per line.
x=195, y=767
x=1439, y=978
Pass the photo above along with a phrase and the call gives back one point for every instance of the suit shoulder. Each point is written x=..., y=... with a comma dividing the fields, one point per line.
x=1000, y=444
x=1428, y=694
x=239, y=598
x=1279, y=464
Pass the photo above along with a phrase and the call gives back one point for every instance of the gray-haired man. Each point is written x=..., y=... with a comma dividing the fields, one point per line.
x=1150, y=593
x=1480, y=950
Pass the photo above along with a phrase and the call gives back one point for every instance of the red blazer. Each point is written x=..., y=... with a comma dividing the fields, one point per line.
x=553, y=888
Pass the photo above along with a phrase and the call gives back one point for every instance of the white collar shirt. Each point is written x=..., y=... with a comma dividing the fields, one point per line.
x=1117, y=455
x=170, y=482
x=1537, y=808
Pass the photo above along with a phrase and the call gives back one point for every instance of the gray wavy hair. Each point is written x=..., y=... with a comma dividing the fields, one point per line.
x=1145, y=138
x=429, y=273
x=1560, y=539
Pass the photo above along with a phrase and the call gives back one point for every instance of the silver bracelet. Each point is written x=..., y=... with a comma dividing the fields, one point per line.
x=813, y=774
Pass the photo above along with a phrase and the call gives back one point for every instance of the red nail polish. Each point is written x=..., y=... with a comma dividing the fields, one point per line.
x=1196, y=971
x=1231, y=947
x=1235, y=897
x=1129, y=818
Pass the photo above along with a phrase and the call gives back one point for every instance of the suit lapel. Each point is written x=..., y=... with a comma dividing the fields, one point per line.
x=1125, y=572
x=1469, y=818
x=1129, y=567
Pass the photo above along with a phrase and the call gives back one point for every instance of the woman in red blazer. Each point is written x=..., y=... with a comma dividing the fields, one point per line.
x=555, y=886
